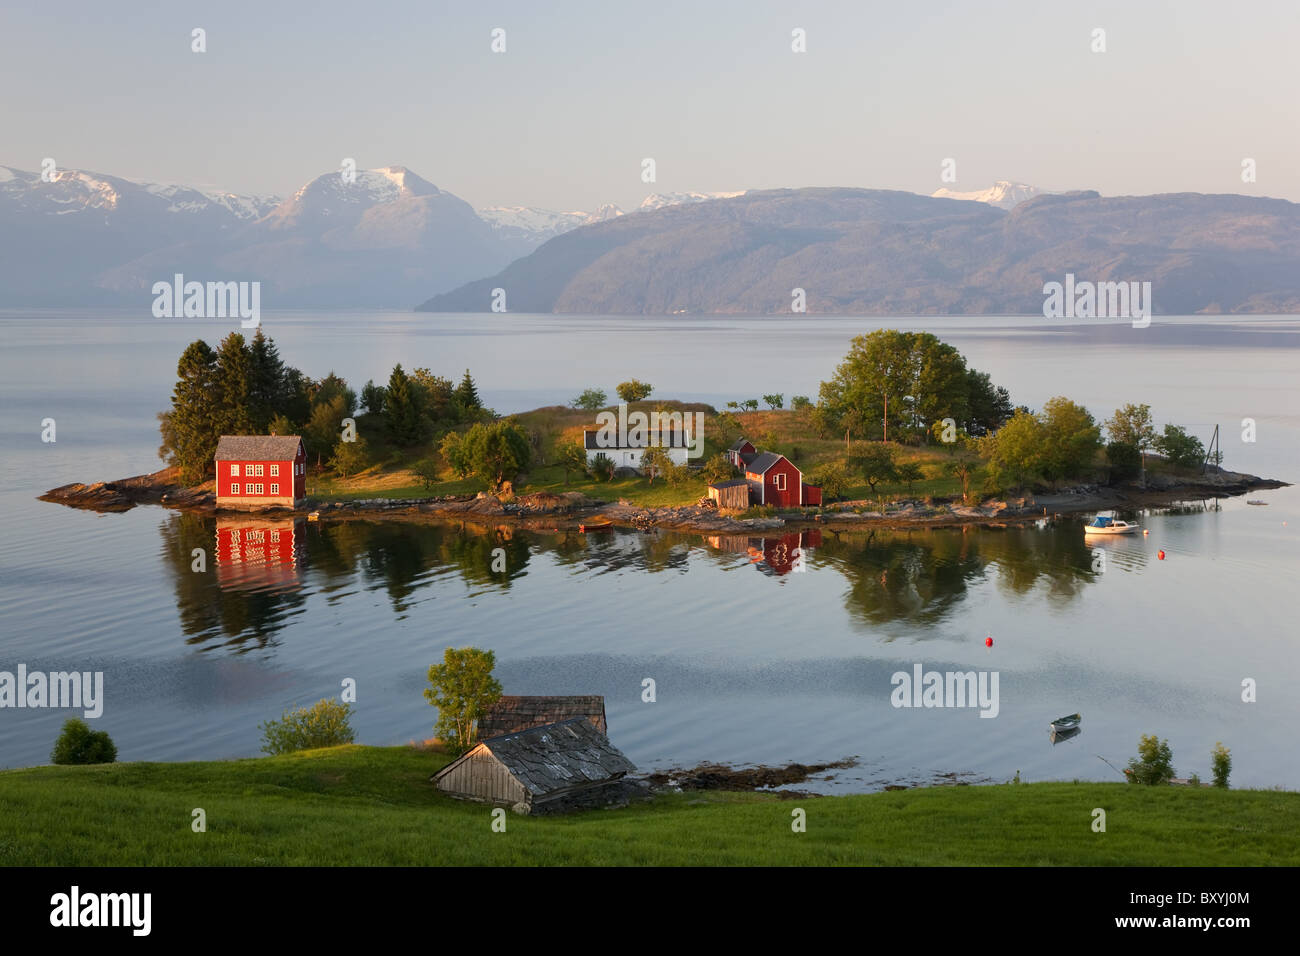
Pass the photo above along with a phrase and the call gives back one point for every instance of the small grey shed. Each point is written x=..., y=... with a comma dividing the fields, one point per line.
x=537, y=769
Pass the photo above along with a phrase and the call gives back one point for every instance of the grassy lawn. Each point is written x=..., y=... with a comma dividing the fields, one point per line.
x=374, y=805
x=784, y=431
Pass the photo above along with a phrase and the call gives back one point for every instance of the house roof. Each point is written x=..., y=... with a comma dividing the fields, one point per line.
x=747, y=456
x=257, y=447
x=555, y=756
x=511, y=714
x=675, y=438
x=740, y=443
x=729, y=484
x=762, y=462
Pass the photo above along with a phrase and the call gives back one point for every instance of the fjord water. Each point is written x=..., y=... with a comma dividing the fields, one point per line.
x=752, y=660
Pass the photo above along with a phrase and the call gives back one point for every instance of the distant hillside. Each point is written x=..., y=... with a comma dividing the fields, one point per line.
x=861, y=251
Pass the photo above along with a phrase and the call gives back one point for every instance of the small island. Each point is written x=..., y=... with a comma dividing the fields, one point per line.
x=903, y=434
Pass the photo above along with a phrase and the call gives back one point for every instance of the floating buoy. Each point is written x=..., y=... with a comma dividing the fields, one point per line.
x=1160, y=555
x=988, y=642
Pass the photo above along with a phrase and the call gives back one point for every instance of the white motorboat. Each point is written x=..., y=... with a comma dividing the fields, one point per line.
x=1101, y=525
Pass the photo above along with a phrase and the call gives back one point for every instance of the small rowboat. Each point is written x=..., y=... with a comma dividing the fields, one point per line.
x=1252, y=501
x=595, y=524
x=1063, y=724
x=1102, y=525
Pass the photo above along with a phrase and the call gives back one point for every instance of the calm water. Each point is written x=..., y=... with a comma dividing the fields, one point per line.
x=753, y=661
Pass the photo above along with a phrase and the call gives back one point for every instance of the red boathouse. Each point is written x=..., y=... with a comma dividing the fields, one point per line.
x=259, y=471
x=774, y=480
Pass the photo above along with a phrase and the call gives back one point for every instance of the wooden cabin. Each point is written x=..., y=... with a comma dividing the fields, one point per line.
x=741, y=452
x=511, y=714
x=538, y=769
x=774, y=480
x=730, y=495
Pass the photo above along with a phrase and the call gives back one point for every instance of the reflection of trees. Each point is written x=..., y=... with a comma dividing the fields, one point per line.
x=622, y=551
x=249, y=617
x=922, y=576
x=399, y=555
x=918, y=576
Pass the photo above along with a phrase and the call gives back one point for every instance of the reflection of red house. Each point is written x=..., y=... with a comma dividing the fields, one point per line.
x=260, y=471
x=780, y=555
x=252, y=553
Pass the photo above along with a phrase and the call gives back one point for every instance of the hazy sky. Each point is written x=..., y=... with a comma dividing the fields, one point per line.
x=710, y=90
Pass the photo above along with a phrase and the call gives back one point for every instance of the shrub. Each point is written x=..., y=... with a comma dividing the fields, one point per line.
x=323, y=724
x=78, y=744
x=463, y=689
x=602, y=467
x=718, y=468
x=1184, y=450
x=1220, y=764
x=1125, y=460
x=634, y=390
x=1154, y=767
x=427, y=472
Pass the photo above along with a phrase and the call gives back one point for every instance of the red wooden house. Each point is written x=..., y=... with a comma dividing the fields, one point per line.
x=774, y=480
x=257, y=552
x=258, y=471
x=742, y=452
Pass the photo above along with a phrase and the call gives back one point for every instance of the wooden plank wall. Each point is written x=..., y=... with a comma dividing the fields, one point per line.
x=482, y=777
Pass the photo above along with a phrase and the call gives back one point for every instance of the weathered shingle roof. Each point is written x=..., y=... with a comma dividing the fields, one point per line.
x=257, y=447
x=512, y=714
x=728, y=484
x=740, y=443
x=556, y=757
x=763, y=462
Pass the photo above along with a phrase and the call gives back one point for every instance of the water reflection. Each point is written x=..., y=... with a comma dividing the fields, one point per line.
x=266, y=570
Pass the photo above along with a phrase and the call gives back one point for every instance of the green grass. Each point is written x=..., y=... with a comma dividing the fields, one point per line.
x=787, y=432
x=374, y=805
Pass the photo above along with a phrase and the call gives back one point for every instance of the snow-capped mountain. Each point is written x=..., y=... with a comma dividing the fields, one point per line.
x=380, y=238
x=659, y=200
x=1003, y=194
x=71, y=191
x=534, y=225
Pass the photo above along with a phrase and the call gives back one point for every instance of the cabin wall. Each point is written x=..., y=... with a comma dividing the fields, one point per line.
x=481, y=777
x=735, y=497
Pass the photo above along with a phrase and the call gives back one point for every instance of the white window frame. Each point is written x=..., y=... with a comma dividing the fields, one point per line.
x=275, y=471
x=234, y=471
x=275, y=487
x=234, y=488
x=778, y=481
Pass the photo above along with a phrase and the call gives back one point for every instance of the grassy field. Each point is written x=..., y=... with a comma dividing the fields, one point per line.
x=787, y=432
x=375, y=806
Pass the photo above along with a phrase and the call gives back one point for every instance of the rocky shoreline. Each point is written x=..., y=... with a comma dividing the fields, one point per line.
x=545, y=511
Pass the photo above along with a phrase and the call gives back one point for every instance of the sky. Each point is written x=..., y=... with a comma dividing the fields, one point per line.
x=711, y=90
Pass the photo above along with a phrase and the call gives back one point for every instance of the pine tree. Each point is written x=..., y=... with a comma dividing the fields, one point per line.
x=234, y=366
x=266, y=391
x=467, y=393
x=191, y=429
x=400, y=412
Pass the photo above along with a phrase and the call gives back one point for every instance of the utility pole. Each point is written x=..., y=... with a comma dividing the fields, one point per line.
x=886, y=416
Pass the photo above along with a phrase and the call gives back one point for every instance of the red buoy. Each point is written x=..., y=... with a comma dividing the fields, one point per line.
x=988, y=642
x=1160, y=555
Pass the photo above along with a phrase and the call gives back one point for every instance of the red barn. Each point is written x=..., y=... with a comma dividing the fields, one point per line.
x=257, y=471
x=742, y=452
x=774, y=480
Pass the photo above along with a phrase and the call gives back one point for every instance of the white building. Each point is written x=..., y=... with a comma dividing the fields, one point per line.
x=628, y=451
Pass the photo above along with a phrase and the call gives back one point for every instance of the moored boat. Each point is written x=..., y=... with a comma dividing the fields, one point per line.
x=1063, y=725
x=1103, y=525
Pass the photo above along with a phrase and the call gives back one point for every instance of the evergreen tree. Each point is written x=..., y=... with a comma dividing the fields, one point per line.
x=266, y=393
x=400, y=411
x=234, y=369
x=191, y=429
x=467, y=393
